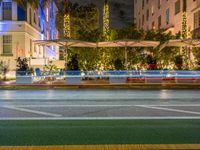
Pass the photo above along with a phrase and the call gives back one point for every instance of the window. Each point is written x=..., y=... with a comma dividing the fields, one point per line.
x=177, y=7
x=31, y=48
x=7, y=45
x=30, y=16
x=7, y=10
x=159, y=22
x=34, y=18
x=142, y=20
x=197, y=20
x=159, y=4
x=167, y=16
x=47, y=14
x=184, y=6
x=153, y=25
x=152, y=10
x=142, y=4
x=147, y=14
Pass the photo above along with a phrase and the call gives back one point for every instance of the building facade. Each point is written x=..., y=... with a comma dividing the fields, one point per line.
x=20, y=27
x=167, y=14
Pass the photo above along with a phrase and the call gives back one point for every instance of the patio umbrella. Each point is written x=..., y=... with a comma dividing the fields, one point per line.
x=128, y=43
x=65, y=42
x=181, y=43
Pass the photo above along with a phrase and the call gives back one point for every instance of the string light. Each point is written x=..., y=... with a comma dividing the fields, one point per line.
x=67, y=29
x=184, y=25
x=67, y=21
x=106, y=20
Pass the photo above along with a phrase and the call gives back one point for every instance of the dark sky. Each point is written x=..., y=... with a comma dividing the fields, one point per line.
x=121, y=11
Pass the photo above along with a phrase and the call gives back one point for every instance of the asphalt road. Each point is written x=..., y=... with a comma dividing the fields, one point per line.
x=99, y=104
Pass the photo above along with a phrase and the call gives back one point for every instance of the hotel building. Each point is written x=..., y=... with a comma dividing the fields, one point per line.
x=167, y=14
x=20, y=26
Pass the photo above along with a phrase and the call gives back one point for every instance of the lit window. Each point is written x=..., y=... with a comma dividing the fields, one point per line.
x=47, y=14
x=7, y=10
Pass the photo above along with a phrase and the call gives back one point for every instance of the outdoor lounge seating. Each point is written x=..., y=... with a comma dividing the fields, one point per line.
x=153, y=76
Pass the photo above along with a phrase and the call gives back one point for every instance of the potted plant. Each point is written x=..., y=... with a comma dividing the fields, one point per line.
x=23, y=72
x=119, y=74
x=73, y=72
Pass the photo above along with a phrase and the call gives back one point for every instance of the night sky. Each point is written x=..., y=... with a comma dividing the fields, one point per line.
x=121, y=11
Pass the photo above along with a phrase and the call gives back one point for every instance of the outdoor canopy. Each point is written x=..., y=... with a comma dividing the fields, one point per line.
x=78, y=43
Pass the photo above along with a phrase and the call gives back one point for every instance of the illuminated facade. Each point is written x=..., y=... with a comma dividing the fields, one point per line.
x=19, y=27
x=171, y=15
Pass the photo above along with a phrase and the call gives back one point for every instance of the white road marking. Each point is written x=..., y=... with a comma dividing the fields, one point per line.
x=101, y=118
x=108, y=105
x=169, y=109
x=33, y=111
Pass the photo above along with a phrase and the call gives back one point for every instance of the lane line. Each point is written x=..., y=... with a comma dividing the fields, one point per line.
x=169, y=109
x=99, y=118
x=33, y=111
x=117, y=105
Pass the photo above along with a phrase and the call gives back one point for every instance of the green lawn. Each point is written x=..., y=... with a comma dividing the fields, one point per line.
x=23, y=133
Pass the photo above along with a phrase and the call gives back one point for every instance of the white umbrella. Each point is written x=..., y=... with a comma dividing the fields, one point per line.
x=65, y=42
x=128, y=43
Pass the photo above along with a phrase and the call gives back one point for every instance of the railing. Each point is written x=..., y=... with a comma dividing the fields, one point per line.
x=123, y=73
x=131, y=74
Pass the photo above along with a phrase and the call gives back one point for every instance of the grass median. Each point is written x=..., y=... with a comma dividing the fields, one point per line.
x=85, y=132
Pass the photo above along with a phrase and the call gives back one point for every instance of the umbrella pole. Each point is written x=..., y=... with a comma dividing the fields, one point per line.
x=66, y=57
x=126, y=61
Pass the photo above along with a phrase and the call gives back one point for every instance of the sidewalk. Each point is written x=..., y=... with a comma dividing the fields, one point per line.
x=88, y=85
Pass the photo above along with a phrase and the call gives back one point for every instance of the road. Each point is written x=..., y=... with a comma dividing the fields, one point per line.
x=99, y=104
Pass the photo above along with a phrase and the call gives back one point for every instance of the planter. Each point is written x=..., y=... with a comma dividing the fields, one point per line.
x=117, y=77
x=73, y=77
x=185, y=77
x=24, y=79
x=154, y=76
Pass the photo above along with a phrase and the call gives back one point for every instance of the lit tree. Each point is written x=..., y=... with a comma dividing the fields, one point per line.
x=106, y=20
x=66, y=20
x=184, y=35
